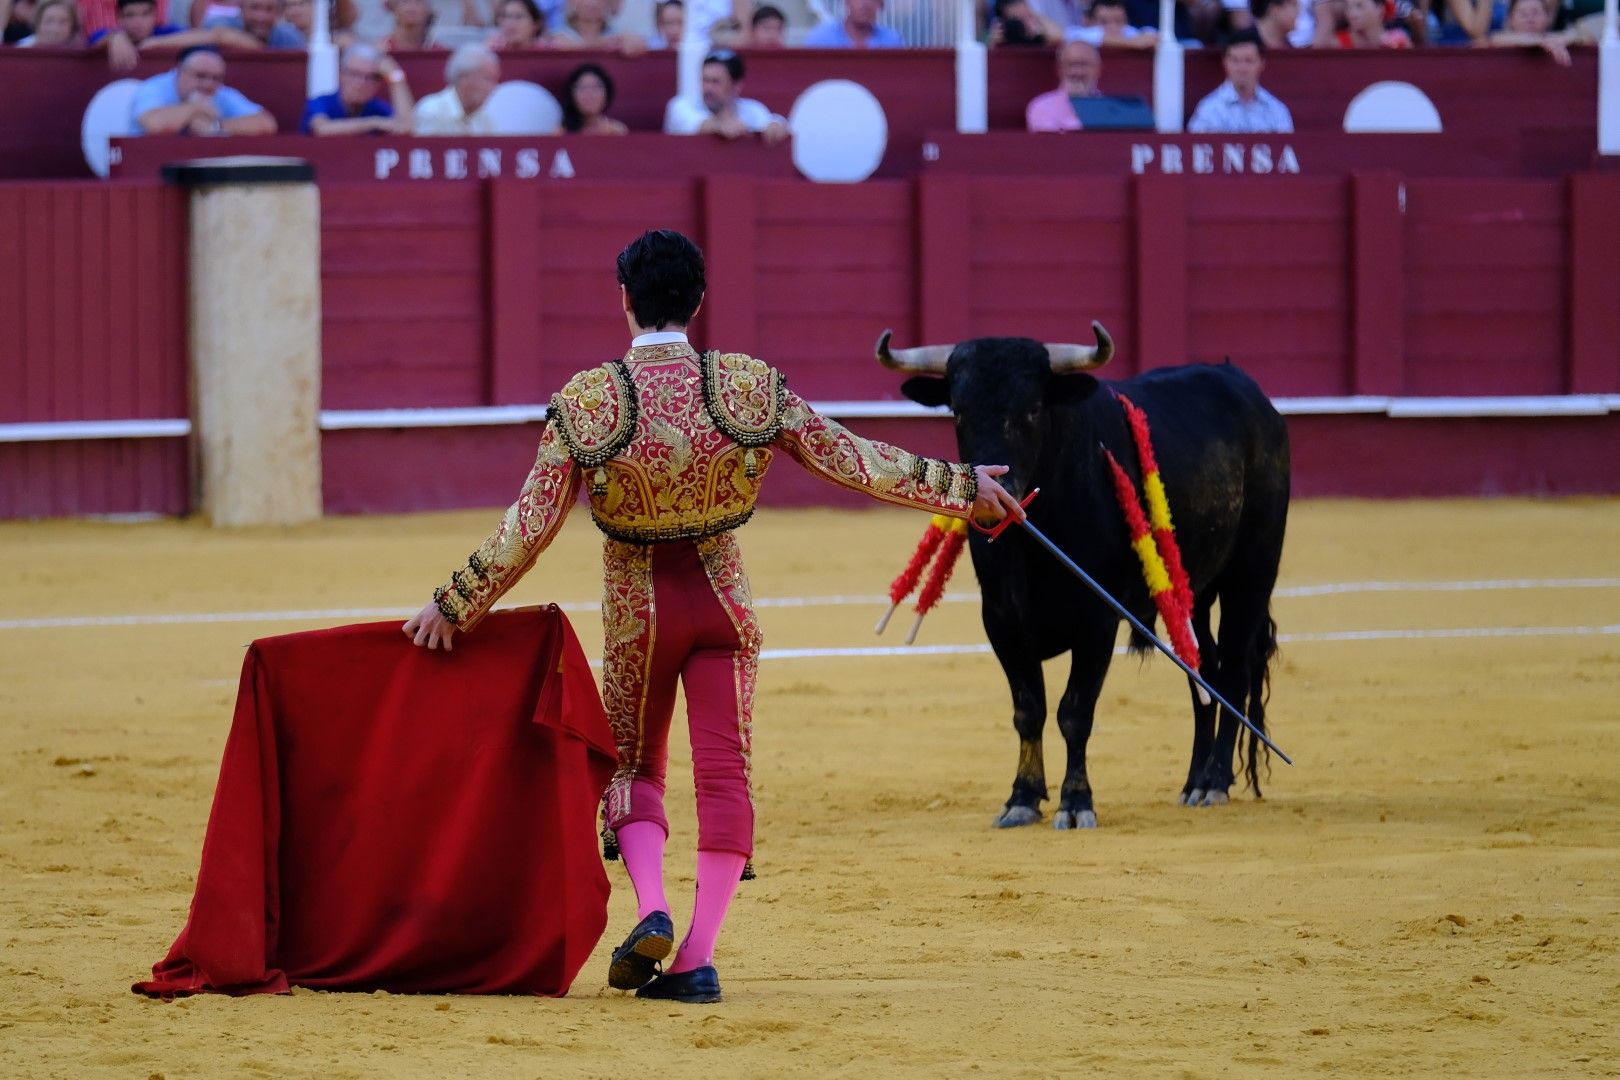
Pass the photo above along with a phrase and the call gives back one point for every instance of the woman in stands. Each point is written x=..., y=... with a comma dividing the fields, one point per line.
x=56, y=26
x=1529, y=22
x=588, y=25
x=519, y=25
x=413, y=26
x=587, y=96
x=1365, y=27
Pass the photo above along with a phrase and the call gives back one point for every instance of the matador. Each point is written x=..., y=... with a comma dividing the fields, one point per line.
x=673, y=447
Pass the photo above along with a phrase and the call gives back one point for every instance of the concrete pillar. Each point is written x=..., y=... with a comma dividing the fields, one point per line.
x=255, y=338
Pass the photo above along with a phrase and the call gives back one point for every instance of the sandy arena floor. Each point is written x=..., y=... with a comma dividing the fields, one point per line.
x=1433, y=890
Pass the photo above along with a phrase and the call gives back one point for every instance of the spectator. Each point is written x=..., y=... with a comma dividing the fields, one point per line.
x=1111, y=26
x=552, y=12
x=1079, y=68
x=18, y=18
x=262, y=19
x=1463, y=22
x=1529, y=23
x=1365, y=29
x=723, y=110
x=587, y=96
x=56, y=26
x=300, y=14
x=192, y=99
x=357, y=107
x=1274, y=20
x=1240, y=105
x=1016, y=23
x=413, y=27
x=669, y=25
x=1065, y=14
x=98, y=16
x=472, y=73
x=519, y=25
x=768, y=30
x=858, y=30
x=587, y=24
x=138, y=29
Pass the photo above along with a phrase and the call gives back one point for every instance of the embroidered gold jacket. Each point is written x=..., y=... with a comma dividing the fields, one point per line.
x=675, y=446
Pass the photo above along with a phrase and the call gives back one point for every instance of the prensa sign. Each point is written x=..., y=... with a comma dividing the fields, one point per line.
x=1211, y=158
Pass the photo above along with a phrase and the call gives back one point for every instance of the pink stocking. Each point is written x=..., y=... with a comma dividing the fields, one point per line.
x=717, y=875
x=641, y=843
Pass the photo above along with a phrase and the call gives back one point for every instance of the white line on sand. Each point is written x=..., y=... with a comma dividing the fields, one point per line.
x=872, y=600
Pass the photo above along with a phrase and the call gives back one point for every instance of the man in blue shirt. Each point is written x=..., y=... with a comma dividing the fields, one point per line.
x=357, y=108
x=262, y=19
x=194, y=100
x=859, y=30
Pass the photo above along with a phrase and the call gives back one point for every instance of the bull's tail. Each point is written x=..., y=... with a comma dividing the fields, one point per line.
x=1264, y=652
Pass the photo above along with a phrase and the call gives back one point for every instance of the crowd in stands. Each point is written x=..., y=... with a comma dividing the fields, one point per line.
x=373, y=95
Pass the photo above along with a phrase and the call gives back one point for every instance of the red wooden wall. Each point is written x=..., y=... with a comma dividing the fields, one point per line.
x=447, y=294
x=92, y=327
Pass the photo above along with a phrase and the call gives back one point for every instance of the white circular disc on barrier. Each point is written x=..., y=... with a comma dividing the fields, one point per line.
x=839, y=132
x=1391, y=106
x=523, y=108
x=108, y=114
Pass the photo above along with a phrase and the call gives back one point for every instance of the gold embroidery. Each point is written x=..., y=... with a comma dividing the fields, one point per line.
x=886, y=472
x=744, y=397
x=596, y=413
x=525, y=530
x=628, y=631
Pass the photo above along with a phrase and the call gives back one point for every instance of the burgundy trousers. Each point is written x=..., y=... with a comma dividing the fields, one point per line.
x=681, y=612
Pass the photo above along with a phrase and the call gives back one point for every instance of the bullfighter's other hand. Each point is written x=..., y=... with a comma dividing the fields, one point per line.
x=429, y=628
x=994, y=502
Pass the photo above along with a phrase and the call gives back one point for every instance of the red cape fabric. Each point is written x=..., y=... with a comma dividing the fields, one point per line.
x=390, y=818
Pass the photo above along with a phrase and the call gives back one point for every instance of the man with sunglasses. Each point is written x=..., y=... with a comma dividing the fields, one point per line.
x=721, y=109
x=357, y=107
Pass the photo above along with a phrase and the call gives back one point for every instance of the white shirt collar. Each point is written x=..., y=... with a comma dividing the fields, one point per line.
x=660, y=337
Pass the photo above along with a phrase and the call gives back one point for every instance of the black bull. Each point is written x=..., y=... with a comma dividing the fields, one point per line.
x=1222, y=451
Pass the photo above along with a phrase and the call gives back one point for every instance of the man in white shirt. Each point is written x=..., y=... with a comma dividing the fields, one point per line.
x=473, y=73
x=723, y=111
x=1239, y=106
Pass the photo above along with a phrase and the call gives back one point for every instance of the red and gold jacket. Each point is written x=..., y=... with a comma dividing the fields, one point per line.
x=674, y=446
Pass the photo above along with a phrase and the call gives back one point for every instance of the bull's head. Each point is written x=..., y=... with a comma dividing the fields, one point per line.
x=1001, y=391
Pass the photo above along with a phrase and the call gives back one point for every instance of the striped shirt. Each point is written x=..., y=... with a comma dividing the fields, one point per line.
x=1224, y=112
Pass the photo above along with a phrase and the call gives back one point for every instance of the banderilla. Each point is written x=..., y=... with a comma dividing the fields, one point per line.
x=1102, y=594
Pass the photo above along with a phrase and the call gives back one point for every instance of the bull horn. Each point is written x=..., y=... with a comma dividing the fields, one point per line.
x=1067, y=359
x=922, y=360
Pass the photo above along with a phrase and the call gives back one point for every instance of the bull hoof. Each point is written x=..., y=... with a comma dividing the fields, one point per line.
x=1190, y=798
x=1215, y=798
x=1015, y=816
x=1074, y=819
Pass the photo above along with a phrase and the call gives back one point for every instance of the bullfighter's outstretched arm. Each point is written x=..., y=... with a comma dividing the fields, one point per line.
x=527, y=528
x=829, y=449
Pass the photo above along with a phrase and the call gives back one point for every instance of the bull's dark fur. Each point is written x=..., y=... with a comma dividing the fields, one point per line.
x=1223, y=454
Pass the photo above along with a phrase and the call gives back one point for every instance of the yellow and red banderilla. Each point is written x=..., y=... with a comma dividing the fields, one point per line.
x=944, y=538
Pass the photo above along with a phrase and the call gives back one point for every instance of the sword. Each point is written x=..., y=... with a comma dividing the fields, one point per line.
x=1102, y=594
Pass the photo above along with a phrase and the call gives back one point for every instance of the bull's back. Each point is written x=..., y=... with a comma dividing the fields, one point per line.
x=1222, y=450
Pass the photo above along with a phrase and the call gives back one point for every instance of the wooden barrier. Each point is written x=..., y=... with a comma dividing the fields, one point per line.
x=1366, y=290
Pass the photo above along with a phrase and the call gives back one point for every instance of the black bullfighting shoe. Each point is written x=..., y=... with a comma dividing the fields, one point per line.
x=696, y=987
x=636, y=961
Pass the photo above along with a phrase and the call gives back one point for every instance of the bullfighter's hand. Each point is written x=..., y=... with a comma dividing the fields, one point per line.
x=429, y=628
x=994, y=502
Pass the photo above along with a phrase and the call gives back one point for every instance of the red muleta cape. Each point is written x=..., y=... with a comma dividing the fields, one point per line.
x=390, y=818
